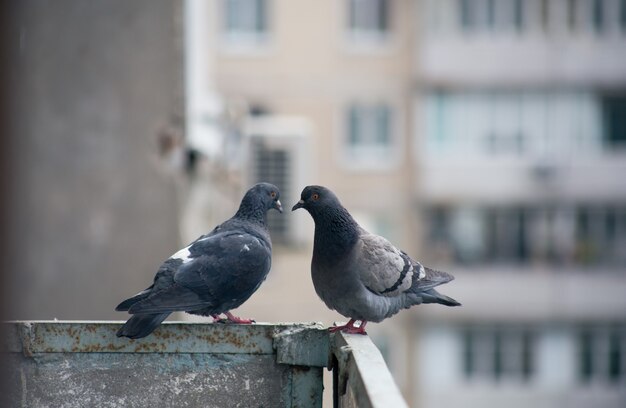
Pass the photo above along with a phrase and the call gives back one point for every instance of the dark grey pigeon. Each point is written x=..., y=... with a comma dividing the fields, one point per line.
x=359, y=274
x=214, y=274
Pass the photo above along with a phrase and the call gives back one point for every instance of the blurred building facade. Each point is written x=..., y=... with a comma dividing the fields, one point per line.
x=520, y=115
x=484, y=137
x=313, y=93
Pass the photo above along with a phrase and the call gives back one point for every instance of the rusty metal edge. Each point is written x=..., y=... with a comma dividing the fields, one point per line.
x=31, y=337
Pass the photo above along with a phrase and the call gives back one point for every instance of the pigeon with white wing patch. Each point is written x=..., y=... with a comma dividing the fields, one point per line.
x=359, y=274
x=214, y=274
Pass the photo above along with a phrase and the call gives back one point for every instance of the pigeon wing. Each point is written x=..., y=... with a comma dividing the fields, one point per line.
x=220, y=268
x=173, y=298
x=384, y=269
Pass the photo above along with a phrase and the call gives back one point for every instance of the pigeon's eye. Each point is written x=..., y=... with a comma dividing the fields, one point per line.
x=315, y=196
x=273, y=194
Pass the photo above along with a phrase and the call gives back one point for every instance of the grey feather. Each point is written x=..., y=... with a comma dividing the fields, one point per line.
x=359, y=274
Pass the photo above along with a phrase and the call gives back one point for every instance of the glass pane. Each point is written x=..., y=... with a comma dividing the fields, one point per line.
x=614, y=120
x=518, y=15
x=368, y=15
x=491, y=14
x=465, y=8
x=468, y=353
x=545, y=14
x=246, y=15
x=352, y=14
x=383, y=15
x=527, y=355
x=231, y=11
x=571, y=14
x=615, y=356
x=586, y=356
x=383, y=125
x=354, y=129
x=598, y=15
x=497, y=354
x=261, y=15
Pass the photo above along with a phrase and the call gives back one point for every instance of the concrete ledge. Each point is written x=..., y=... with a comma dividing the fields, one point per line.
x=171, y=337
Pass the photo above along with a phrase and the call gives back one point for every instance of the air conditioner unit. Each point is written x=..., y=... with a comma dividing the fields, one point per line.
x=277, y=150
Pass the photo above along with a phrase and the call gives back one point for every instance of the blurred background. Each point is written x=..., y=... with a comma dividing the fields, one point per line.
x=485, y=138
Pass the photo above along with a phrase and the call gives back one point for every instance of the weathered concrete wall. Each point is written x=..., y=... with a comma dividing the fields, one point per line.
x=147, y=380
x=91, y=217
x=83, y=364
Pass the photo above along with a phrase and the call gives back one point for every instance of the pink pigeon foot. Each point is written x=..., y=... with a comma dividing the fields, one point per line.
x=238, y=320
x=218, y=319
x=350, y=328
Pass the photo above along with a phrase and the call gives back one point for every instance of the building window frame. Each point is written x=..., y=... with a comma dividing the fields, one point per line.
x=246, y=25
x=368, y=25
x=499, y=353
x=601, y=355
x=370, y=135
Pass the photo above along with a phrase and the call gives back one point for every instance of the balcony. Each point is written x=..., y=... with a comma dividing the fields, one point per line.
x=83, y=364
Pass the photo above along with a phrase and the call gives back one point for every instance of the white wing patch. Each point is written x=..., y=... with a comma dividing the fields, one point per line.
x=245, y=248
x=183, y=255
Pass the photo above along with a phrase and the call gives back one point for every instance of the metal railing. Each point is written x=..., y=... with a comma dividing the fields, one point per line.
x=82, y=364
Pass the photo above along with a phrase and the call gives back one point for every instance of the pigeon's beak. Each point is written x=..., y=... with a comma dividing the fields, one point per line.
x=299, y=204
x=278, y=206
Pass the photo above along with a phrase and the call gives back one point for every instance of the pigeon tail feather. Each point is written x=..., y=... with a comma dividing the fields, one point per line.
x=432, y=296
x=125, y=305
x=430, y=280
x=141, y=325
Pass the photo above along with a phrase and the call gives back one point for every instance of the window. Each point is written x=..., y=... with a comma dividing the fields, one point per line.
x=572, y=14
x=587, y=235
x=587, y=16
x=466, y=15
x=600, y=232
x=597, y=13
x=369, y=139
x=544, y=12
x=506, y=235
x=501, y=353
x=518, y=14
x=614, y=121
x=491, y=15
x=368, y=20
x=524, y=124
x=601, y=354
x=246, y=21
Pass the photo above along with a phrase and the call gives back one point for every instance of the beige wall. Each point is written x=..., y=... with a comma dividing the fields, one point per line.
x=309, y=69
